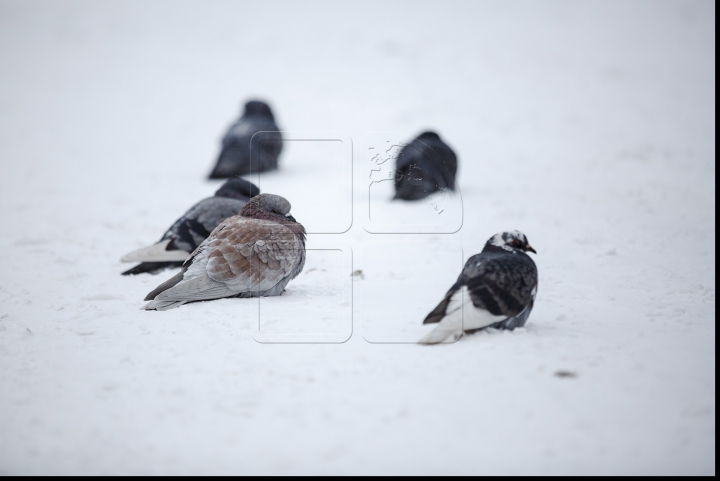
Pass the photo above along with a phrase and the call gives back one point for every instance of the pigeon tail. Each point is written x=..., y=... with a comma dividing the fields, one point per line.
x=460, y=316
x=439, y=312
x=156, y=253
x=165, y=285
x=162, y=305
x=440, y=334
x=151, y=268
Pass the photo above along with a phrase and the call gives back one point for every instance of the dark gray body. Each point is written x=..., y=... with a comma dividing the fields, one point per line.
x=424, y=166
x=235, y=158
x=190, y=230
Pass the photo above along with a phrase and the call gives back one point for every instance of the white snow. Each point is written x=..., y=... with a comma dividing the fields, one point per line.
x=588, y=126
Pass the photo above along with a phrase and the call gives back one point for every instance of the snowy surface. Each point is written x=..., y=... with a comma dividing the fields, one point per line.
x=589, y=126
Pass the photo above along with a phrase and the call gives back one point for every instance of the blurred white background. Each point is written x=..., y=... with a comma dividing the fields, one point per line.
x=590, y=126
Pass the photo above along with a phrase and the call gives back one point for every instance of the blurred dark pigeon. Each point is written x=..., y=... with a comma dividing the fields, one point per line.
x=496, y=288
x=254, y=254
x=424, y=166
x=234, y=159
x=192, y=228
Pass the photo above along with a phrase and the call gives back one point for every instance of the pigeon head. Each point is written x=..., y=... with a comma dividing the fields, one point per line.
x=256, y=107
x=428, y=135
x=237, y=189
x=511, y=241
x=268, y=207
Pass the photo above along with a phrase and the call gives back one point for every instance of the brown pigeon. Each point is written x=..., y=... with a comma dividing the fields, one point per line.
x=253, y=254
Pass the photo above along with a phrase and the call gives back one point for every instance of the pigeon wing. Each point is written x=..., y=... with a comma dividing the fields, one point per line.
x=503, y=285
x=199, y=221
x=217, y=209
x=252, y=255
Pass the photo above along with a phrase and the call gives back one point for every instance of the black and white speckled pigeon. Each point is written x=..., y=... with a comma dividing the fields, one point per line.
x=234, y=157
x=424, y=166
x=496, y=288
x=254, y=254
x=192, y=228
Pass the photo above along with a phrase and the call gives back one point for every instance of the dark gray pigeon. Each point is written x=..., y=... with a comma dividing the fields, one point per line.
x=254, y=254
x=424, y=166
x=192, y=228
x=234, y=159
x=496, y=288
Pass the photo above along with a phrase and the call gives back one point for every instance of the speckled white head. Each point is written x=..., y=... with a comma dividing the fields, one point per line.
x=511, y=241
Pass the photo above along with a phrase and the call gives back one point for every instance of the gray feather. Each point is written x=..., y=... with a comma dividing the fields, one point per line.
x=196, y=289
x=165, y=285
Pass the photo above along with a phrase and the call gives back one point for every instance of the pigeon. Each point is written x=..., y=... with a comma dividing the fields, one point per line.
x=496, y=288
x=254, y=254
x=192, y=228
x=424, y=166
x=234, y=159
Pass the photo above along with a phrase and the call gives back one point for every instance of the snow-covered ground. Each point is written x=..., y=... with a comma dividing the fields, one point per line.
x=587, y=125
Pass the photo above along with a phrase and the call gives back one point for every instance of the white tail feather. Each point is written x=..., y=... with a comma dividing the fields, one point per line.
x=156, y=253
x=162, y=305
x=459, y=318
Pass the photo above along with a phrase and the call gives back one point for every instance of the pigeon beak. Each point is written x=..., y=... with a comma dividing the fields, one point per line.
x=528, y=247
x=290, y=217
